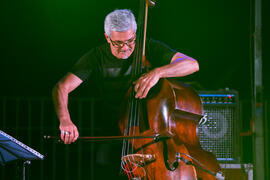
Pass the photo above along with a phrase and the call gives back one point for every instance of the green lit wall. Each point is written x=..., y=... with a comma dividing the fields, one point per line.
x=41, y=40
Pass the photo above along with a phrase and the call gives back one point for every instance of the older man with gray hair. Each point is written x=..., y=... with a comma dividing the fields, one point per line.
x=110, y=63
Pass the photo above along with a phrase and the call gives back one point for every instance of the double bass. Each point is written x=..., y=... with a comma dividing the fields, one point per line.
x=163, y=127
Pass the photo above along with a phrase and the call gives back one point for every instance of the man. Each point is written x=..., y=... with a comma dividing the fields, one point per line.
x=111, y=62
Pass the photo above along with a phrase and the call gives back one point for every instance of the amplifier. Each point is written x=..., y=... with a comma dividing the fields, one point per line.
x=218, y=130
x=237, y=171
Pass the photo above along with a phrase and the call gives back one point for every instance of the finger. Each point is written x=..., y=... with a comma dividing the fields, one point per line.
x=145, y=92
x=138, y=82
x=66, y=138
x=72, y=136
x=62, y=136
x=139, y=93
x=76, y=135
x=141, y=90
x=137, y=85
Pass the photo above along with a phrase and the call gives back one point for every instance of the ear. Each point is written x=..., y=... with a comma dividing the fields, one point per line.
x=107, y=38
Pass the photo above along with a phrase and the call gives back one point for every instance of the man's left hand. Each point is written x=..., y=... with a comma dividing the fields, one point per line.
x=146, y=82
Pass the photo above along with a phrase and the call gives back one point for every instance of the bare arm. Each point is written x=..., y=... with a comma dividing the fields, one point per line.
x=180, y=66
x=183, y=67
x=60, y=99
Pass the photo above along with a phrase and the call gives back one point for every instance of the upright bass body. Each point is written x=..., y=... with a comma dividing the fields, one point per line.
x=170, y=113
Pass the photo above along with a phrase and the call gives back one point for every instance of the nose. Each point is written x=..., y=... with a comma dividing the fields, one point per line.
x=125, y=47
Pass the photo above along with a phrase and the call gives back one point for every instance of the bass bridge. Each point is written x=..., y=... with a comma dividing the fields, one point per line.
x=139, y=160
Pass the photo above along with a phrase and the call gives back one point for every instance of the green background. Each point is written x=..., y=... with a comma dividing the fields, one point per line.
x=41, y=40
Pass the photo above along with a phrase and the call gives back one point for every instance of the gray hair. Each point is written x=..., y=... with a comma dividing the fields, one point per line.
x=120, y=20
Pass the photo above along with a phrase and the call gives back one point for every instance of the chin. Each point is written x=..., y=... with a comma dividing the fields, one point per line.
x=124, y=56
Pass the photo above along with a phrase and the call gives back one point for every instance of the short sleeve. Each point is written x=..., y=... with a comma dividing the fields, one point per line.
x=158, y=53
x=85, y=65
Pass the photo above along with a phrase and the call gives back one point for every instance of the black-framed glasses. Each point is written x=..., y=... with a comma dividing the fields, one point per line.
x=120, y=44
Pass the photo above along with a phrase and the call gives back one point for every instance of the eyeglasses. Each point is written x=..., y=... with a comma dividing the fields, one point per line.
x=120, y=44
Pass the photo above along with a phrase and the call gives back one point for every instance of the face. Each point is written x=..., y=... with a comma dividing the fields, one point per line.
x=122, y=43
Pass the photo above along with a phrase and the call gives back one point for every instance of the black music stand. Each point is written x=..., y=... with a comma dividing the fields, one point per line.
x=11, y=149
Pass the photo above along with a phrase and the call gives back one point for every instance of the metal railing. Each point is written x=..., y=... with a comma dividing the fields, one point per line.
x=28, y=119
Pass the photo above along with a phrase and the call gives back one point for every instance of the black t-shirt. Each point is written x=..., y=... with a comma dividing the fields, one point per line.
x=111, y=75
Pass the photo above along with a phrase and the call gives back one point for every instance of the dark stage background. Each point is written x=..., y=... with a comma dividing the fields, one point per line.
x=41, y=40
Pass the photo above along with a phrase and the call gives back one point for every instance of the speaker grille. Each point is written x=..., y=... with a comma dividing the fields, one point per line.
x=218, y=131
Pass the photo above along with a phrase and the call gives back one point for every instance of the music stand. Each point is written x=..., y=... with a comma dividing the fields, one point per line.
x=11, y=149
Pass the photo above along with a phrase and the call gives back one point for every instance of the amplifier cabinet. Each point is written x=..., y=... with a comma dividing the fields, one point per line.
x=219, y=129
x=237, y=171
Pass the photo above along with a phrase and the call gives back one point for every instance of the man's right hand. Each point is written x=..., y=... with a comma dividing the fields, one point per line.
x=69, y=132
x=68, y=83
